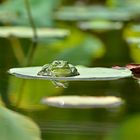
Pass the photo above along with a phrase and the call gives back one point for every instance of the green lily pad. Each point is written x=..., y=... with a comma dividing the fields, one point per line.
x=133, y=40
x=26, y=32
x=132, y=32
x=132, y=37
x=86, y=74
x=77, y=13
x=17, y=127
x=83, y=101
x=14, y=12
x=100, y=25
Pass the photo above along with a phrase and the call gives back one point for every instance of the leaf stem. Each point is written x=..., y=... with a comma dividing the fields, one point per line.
x=35, y=37
x=31, y=49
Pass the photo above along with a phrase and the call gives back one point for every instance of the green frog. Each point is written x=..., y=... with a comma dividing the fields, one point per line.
x=58, y=68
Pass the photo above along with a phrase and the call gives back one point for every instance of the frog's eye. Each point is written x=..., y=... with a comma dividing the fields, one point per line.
x=56, y=63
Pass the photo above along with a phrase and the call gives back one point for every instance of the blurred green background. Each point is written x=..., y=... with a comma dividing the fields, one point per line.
x=99, y=33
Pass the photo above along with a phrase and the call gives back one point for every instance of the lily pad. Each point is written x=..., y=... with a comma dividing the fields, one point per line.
x=83, y=101
x=86, y=74
x=132, y=36
x=26, y=32
x=77, y=13
x=133, y=40
x=132, y=33
x=100, y=25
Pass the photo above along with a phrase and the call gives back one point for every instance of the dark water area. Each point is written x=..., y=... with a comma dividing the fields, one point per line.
x=95, y=123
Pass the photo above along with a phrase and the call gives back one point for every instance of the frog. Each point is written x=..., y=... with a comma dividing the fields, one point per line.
x=58, y=68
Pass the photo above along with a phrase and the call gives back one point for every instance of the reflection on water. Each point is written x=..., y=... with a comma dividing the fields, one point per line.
x=76, y=128
x=81, y=124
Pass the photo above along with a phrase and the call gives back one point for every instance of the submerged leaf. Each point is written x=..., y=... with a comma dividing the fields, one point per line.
x=14, y=126
x=83, y=101
x=86, y=74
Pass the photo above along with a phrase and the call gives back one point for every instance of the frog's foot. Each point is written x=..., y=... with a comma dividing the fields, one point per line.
x=43, y=72
x=59, y=84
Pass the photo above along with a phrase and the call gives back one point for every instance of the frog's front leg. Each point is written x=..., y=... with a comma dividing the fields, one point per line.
x=42, y=72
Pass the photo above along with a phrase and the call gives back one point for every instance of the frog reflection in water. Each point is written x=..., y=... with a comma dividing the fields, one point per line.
x=59, y=68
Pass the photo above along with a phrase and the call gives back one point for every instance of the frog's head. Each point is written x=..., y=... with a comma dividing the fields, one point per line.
x=58, y=68
x=59, y=64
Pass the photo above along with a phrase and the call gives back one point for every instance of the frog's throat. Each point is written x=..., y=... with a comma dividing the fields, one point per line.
x=62, y=72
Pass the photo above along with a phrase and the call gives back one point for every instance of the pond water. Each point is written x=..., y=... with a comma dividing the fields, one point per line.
x=92, y=123
x=95, y=124
x=120, y=123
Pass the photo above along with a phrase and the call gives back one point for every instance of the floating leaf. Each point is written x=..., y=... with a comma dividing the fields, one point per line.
x=14, y=12
x=77, y=13
x=83, y=101
x=132, y=36
x=26, y=32
x=133, y=40
x=17, y=127
x=100, y=25
x=132, y=33
x=135, y=68
x=86, y=74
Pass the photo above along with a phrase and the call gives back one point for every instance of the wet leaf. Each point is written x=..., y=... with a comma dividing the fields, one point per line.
x=83, y=101
x=86, y=74
x=17, y=127
x=26, y=32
